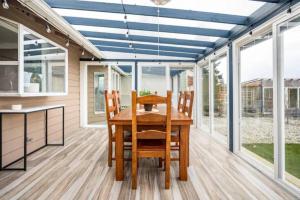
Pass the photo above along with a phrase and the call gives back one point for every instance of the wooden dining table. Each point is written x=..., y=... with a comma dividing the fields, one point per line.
x=123, y=121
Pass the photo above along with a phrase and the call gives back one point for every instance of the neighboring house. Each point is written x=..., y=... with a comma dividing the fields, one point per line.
x=258, y=96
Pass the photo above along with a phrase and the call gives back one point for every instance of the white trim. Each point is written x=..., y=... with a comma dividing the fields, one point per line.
x=83, y=94
x=211, y=96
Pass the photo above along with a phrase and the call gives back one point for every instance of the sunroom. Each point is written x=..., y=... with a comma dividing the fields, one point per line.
x=149, y=99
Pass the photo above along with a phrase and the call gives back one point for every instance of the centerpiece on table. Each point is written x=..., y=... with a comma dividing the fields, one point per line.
x=147, y=107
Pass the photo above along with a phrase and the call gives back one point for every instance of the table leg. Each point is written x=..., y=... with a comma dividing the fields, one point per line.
x=119, y=153
x=183, y=152
x=188, y=147
x=25, y=142
x=1, y=141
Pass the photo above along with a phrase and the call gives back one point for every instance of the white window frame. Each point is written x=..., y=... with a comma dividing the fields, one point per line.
x=20, y=63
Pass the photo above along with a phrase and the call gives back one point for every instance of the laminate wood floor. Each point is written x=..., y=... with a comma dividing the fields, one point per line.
x=79, y=171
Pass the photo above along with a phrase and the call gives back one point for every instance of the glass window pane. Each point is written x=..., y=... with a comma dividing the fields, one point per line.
x=9, y=78
x=99, y=92
x=256, y=127
x=125, y=85
x=205, y=97
x=290, y=40
x=44, y=66
x=154, y=80
x=8, y=41
x=181, y=79
x=220, y=97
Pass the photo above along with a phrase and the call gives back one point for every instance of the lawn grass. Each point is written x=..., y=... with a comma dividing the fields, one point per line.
x=292, y=155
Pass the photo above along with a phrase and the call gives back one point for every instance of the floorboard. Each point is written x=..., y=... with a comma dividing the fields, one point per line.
x=79, y=171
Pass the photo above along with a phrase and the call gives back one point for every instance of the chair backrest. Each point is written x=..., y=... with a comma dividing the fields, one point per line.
x=110, y=106
x=155, y=118
x=116, y=95
x=180, y=106
x=188, y=102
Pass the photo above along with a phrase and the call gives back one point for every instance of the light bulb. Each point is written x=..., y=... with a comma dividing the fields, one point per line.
x=125, y=19
x=130, y=45
x=48, y=29
x=68, y=43
x=82, y=53
x=127, y=34
x=5, y=4
x=93, y=58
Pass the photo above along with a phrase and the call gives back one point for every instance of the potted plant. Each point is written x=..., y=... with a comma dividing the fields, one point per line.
x=147, y=107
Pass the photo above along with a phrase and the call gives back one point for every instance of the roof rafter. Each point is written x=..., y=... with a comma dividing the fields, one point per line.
x=149, y=11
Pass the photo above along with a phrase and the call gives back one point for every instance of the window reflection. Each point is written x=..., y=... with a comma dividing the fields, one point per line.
x=44, y=66
x=205, y=97
x=8, y=57
x=220, y=97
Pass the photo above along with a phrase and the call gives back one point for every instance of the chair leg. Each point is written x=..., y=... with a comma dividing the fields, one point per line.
x=134, y=172
x=110, y=151
x=188, y=150
x=167, y=172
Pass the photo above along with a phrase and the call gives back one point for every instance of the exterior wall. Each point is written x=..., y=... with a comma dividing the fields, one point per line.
x=13, y=125
x=95, y=118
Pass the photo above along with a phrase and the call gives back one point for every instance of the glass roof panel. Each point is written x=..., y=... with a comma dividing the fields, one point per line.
x=143, y=19
x=114, y=55
x=235, y=7
x=146, y=33
x=136, y=42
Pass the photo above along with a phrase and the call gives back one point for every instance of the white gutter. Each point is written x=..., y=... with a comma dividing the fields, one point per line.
x=42, y=9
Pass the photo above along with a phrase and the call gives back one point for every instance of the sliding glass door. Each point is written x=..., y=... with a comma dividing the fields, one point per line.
x=256, y=108
x=289, y=40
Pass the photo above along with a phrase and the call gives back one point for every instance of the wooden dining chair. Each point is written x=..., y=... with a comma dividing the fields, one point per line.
x=185, y=105
x=151, y=142
x=112, y=110
x=116, y=95
x=180, y=102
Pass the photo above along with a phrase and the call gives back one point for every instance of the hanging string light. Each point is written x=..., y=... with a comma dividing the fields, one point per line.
x=68, y=42
x=48, y=29
x=5, y=4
